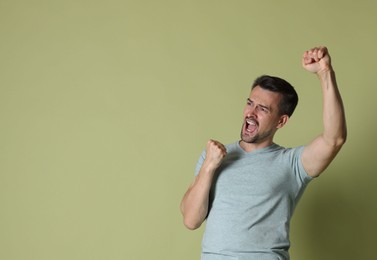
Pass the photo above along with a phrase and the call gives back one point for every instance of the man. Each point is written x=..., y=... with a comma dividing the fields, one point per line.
x=247, y=191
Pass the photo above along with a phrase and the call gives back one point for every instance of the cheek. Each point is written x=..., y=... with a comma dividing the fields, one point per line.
x=247, y=111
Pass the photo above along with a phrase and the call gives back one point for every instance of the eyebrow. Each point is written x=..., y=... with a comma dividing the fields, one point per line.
x=264, y=106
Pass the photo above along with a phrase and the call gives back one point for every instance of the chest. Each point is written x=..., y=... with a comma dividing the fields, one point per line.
x=259, y=176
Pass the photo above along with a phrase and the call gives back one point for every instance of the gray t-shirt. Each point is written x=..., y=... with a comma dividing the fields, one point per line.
x=251, y=203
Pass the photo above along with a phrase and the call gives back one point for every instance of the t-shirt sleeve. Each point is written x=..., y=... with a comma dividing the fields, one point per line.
x=301, y=175
x=200, y=162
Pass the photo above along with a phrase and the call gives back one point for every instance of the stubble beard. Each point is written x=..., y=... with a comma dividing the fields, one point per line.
x=254, y=139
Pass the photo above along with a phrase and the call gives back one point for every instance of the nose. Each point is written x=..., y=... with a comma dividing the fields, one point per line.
x=251, y=111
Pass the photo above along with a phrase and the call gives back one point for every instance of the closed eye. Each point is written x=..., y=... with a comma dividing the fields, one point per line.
x=264, y=109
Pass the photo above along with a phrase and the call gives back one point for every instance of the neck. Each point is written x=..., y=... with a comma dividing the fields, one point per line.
x=249, y=147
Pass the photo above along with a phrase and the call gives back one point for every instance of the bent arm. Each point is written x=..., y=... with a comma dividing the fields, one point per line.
x=195, y=202
x=323, y=149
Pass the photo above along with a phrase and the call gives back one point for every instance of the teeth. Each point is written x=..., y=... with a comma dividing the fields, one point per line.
x=250, y=122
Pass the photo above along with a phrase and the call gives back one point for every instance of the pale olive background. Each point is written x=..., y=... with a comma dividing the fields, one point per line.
x=105, y=107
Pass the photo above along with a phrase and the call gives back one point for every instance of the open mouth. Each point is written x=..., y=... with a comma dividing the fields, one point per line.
x=251, y=125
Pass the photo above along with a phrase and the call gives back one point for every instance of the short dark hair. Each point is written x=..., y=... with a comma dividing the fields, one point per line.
x=275, y=84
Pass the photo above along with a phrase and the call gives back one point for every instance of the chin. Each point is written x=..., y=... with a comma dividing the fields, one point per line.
x=249, y=139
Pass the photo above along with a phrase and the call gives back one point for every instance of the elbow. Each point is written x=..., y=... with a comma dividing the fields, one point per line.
x=191, y=224
x=193, y=217
x=337, y=141
x=338, y=144
x=342, y=139
x=191, y=220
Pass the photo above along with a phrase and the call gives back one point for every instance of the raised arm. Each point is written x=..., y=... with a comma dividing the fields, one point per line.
x=322, y=150
x=195, y=202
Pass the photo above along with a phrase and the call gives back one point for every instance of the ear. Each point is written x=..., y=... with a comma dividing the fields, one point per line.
x=282, y=121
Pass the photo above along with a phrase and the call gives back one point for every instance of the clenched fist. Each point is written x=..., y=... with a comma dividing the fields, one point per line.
x=317, y=60
x=215, y=153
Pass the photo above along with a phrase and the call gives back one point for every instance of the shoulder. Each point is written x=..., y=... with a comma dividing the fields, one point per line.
x=286, y=150
x=289, y=156
x=232, y=146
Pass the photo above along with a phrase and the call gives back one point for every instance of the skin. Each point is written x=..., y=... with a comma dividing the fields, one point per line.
x=261, y=110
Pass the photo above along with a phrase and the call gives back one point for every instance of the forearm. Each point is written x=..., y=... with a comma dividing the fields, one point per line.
x=194, y=205
x=322, y=150
x=334, y=123
x=195, y=202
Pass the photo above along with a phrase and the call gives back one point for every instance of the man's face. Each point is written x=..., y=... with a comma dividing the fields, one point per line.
x=261, y=116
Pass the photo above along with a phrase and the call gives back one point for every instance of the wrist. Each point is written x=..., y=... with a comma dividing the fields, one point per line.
x=325, y=72
x=209, y=168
